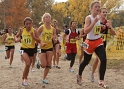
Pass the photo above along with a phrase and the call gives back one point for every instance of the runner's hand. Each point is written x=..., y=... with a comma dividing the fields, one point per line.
x=96, y=19
x=42, y=43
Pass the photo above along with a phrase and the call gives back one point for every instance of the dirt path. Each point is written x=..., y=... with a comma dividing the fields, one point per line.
x=10, y=78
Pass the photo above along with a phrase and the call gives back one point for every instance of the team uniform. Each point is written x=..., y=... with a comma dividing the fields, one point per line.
x=11, y=40
x=46, y=37
x=58, y=39
x=94, y=43
x=71, y=48
x=71, y=45
x=104, y=33
x=27, y=42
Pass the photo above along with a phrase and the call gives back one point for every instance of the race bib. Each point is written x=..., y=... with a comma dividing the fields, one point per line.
x=28, y=40
x=39, y=50
x=6, y=48
x=103, y=36
x=21, y=52
x=72, y=41
x=48, y=37
x=85, y=45
x=97, y=30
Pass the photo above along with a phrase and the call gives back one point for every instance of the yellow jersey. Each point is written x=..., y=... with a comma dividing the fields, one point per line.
x=10, y=39
x=46, y=37
x=27, y=41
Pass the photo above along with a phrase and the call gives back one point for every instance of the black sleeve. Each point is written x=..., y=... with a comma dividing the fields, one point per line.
x=78, y=32
x=67, y=32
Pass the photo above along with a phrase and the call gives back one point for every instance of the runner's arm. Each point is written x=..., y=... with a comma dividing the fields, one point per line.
x=88, y=25
x=109, y=25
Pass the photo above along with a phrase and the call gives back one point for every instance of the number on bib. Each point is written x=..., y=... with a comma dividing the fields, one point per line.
x=97, y=30
x=21, y=52
x=48, y=38
x=103, y=36
x=72, y=41
x=28, y=40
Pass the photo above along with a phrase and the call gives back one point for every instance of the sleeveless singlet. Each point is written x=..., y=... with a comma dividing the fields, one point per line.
x=95, y=32
x=27, y=41
x=46, y=37
x=10, y=39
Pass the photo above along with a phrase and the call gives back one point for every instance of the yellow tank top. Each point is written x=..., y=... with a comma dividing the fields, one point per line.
x=10, y=39
x=46, y=37
x=27, y=41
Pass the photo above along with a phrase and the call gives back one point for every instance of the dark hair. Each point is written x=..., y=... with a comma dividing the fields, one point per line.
x=72, y=22
x=6, y=30
x=27, y=18
x=9, y=27
x=65, y=25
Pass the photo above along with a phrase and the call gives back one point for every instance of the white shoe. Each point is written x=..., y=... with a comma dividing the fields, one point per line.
x=79, y=80
x=70, y=70
x=89, y=66
x=91, y=77
x=24, y=83
x=33, y=70
x=10, y=66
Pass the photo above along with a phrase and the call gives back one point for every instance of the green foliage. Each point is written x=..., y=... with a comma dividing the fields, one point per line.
x=38, y=8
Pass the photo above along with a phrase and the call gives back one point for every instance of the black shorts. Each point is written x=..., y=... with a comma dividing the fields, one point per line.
x=7, y=48
x=35, y=49
x=29, y=51
x=45, y=50
x=59, y=47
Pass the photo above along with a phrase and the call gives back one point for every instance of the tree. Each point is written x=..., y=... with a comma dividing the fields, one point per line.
x=15, y=12
x=38, y=8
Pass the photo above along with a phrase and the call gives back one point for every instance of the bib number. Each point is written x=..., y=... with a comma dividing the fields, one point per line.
x=85, y=45
x=21, y=52
x=72, y=41
x=103, y=36
x=28, y=40
x=97, y=30
x=48, y=38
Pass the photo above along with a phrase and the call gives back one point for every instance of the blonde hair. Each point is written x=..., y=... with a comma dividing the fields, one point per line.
x=94, y=2
x=44, y=15
x=103, y=8
x=55, y=21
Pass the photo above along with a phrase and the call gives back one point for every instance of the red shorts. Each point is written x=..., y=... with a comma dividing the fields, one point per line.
x=91, y=45
x=71, y=48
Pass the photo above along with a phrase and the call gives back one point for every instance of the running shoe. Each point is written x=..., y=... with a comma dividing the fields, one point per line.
x=5, y=57
x=10, y=66
x=58, y=67
x=70, y=70
x=38, y=64
x=33, y=70
x=102, y=84
x=79, y=79
x=91, y=77
x=44, y=81
x=89, y=66
x=24, y=83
